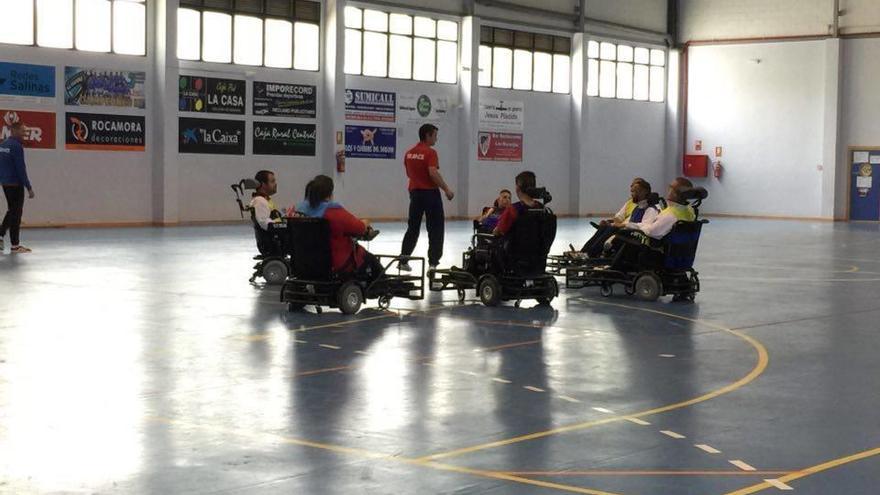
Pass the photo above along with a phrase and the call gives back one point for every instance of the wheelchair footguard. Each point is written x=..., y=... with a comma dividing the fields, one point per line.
x=647, y=285
x=558, y=264
x=349, y=292
x=493, y=289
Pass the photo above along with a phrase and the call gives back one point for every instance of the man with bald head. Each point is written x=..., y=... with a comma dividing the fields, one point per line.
x=676, y=210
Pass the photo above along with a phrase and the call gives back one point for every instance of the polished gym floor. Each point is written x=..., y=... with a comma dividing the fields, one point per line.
x=141, y=361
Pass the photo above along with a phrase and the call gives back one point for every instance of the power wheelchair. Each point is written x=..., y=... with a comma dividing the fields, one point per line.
x=646, y=267
x=312, y=282
x=273, y=265
x=508, y=268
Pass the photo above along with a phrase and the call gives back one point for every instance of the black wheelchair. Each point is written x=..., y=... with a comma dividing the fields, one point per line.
x=557, y=264
x=312, y=282
x=273, y=265
x=646, y=267
x=508, y=268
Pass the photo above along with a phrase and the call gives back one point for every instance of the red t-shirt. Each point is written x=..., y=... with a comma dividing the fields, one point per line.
x=511, y=214
x=343, y=225
x=417, y=161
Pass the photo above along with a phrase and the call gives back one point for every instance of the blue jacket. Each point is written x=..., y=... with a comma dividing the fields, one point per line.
x=12, y=169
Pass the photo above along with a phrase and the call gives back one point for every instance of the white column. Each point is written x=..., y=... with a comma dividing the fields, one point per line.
x=834, y=163
x=578, y=119
x=469, y=96
x=332, y=92
x=162, y=112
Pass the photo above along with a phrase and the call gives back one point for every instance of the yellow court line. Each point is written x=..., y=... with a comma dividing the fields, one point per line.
x=808, y=471
x=760, y=366
x=380, y=456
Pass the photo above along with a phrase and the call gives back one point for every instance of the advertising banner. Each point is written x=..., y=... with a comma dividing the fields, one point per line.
x=99, y=132
x=207, y=94
x=100, y=87
x=377, y=106
x=39, y=127
x=500, y=147
x=210, y=136
x=370, y=142
x=272, y=138
x=27, y=80
x=422, y=108
x=284, y=100
x=498, y=115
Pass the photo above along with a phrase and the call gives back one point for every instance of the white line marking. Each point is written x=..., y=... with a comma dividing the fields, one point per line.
x=301, y=341
x=603, y=410
x=365, y=353
x=469, y=373
x=667, y=355
x=672, y=434
x=328, y=346
x=707, y=448
x=501, y=380
x=533, y=389
x=638, y=421
x=569, y=399
x=742, y=465
x=778, y=484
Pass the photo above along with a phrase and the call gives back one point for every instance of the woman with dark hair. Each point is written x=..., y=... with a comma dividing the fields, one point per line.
x=346, y=256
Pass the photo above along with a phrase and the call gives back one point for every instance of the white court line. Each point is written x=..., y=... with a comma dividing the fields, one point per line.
x=569, y=399
x=638, y=421
x=533, y=389
x=501, y=380
x=667, y=355
x=602, y=410
x=742, y=465
x=328, y=346
x=301, y=341
x=707, y=448
x=778, y=484
x=365, y=353
x=672, y=434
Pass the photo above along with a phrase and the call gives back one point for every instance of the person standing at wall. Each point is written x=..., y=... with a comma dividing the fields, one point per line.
x=14, y=178
x=425, y=183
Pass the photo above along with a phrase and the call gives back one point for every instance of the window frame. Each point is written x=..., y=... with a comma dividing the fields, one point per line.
x=388, y=11
x=526, y=41
x=263, y=15
x=35, y=31
x=633, y=62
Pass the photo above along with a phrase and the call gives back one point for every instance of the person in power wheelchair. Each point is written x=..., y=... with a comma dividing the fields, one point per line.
x=329, y=268
x=273, y=265
x=655, y=258
x=509, y=264
x=490, y=215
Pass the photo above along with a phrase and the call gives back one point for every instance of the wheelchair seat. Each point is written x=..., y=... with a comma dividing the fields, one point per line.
x=529, y=242
x=680, y=245
x=309, y=242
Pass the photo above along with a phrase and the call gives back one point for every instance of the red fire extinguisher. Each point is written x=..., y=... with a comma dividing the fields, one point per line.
x=340, y=161
x=717, y=170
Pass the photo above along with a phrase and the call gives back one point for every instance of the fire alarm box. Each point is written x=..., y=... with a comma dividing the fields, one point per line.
x=696, y=165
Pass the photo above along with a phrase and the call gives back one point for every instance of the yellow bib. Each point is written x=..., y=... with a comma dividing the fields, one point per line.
x=630, y=206
x=681, y=212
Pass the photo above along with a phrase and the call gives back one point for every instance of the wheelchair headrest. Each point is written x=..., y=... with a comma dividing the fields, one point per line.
x=653, y=199
x=540, y=193
x=694, y=194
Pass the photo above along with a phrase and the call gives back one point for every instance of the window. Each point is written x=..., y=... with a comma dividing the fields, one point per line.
x=524, y=61
x=400, y=46
x=117, y=26
x=625, y=72
x=283, y=34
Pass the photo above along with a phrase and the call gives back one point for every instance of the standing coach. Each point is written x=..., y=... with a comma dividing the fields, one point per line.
x=425, y=183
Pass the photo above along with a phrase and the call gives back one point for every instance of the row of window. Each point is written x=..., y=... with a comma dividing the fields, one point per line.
x=526, y=61
x=625, y=72
x=117, y=26
x=283, y=34
x=400, y=46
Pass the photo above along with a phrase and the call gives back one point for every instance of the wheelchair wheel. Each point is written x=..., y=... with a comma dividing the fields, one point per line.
x=274, y=272
x=606, y=290
x=384, y=302
x=294, y=307
x=460, y=296
x=648, y=287
x=552, y=292
x=489, y=290
x=350, y=297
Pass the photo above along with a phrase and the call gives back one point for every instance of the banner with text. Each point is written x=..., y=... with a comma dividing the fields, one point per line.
x=422, y=108
x=207, y=94
x=284, y=100
x=500, y=147
x=210, y=136
x=100, y=132
x=100, y=87
x=272, y=138
x=501, y=115
x=27, y=80
x=370, y=142
x=39, y=127
x=378, y=106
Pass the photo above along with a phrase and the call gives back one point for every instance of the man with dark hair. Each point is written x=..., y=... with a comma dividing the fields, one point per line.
x=676, y=209
x=635, y=210
x=425, y=182
x=525, y=186
x=14, y=178
x=265, y=210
